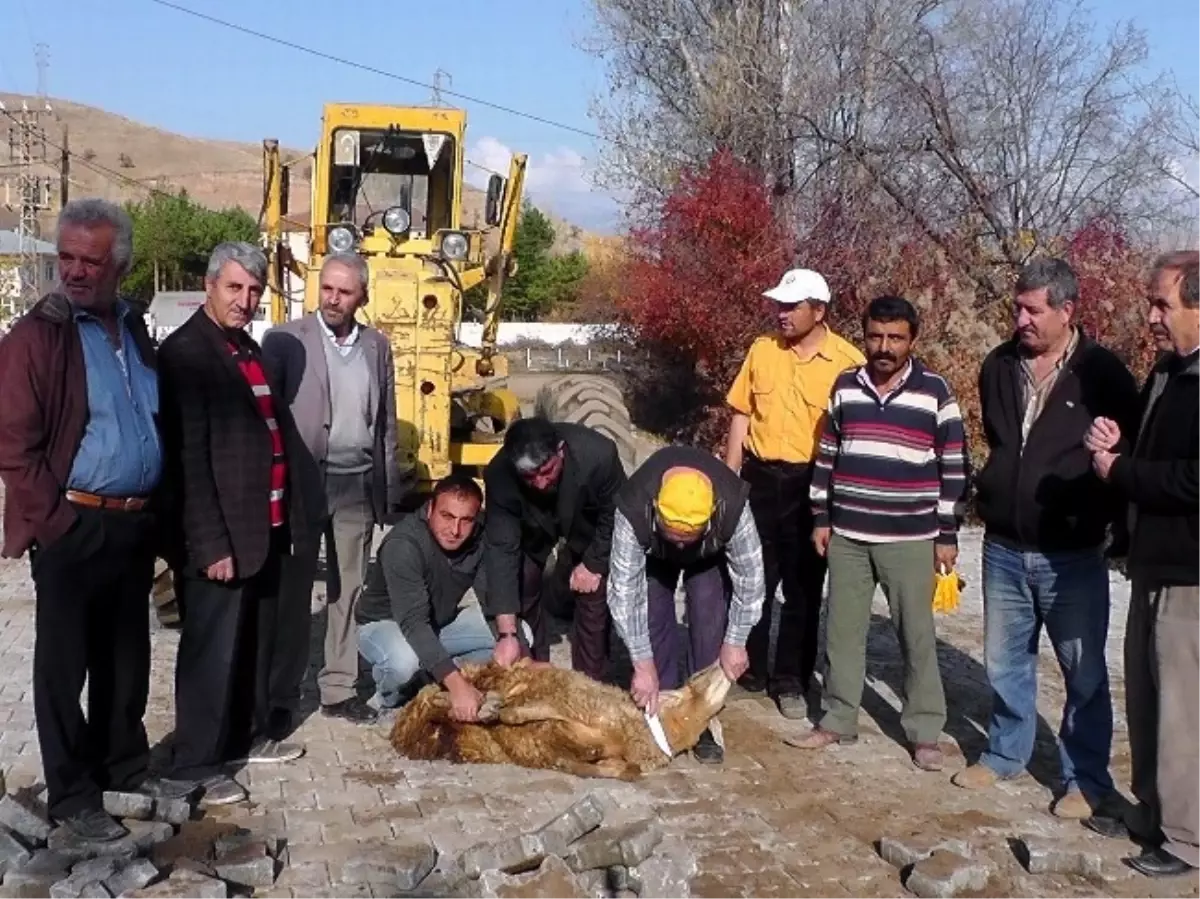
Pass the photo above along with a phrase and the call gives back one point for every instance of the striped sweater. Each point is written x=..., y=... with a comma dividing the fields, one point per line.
x=891, y=468
x=252, y=371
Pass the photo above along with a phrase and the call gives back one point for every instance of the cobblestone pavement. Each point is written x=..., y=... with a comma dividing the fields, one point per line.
x=773, y=821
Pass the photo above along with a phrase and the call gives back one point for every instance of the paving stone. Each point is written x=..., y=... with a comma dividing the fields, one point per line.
x=1041, y=856
x=513, y=856
x=136, y=874
x=92, y=889
x=86, y=879
x=46, y=862
x=594, y=883
x=27, y=886
x=552, y=879
x=13, y=853
x=195, y=866
x=31, y=824
x=183, y=885
x=628, y=845
x=621, y=879
x=135, y=806
x=249, y=865
x=172, y=811
x=580, y=819
x=669, y=871
x=908, y=850
x=399, y=865
x=945, y=874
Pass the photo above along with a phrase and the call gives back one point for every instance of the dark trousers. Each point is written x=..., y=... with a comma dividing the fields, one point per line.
x=93, y=621
x=706, y=588
x=235, y=672
x=783, y=515
x=589, y=634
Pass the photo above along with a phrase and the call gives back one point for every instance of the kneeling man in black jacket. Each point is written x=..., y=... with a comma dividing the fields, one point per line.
x=411, y=615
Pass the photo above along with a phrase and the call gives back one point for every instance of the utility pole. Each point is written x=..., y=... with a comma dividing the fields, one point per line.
x=437, y=85
x=26, y=145
x=64, y=170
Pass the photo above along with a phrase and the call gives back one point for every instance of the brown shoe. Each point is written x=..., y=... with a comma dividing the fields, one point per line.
x=928, y=757
x=820, y=738
x=1072, y=805
x=975, y=777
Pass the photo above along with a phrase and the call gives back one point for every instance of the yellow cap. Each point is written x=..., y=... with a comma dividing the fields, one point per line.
x=685, y=500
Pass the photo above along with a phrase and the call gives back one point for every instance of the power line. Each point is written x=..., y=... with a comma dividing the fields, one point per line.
x=320, y=54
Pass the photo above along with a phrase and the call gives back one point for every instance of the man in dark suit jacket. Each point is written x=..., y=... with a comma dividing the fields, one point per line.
x=551, y=481
x=241, y=478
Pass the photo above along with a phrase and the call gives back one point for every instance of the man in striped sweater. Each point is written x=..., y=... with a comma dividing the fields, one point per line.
x=888, y=494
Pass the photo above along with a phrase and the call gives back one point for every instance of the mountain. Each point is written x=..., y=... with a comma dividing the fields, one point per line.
x=120, y=159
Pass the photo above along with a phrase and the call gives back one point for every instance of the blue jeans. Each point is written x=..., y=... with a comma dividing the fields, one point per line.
x=1068, y=593
x=394, y=664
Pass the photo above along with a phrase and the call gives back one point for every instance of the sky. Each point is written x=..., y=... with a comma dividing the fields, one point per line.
x=164, y=68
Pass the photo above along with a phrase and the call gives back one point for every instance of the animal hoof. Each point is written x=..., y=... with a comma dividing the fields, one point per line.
x=489, y=710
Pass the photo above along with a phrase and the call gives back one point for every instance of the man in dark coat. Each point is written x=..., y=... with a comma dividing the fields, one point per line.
x=551, y=481
x=241, y=477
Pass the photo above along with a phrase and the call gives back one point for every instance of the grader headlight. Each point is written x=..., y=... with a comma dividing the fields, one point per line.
x=342, y=238
x=396, y=221
x=454, y=246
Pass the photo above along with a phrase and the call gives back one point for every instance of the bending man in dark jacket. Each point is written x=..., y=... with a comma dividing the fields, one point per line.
x=552, y=481
x=684, y=512
x=1046, y=518
x=1162, y=637
x=411, y=616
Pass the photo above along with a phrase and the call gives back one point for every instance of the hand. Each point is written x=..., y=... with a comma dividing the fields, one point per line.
x=465, y=701
x=220, y=571
x=1102, y=436
x=583, y=580
x=508, y=650
x=1102, y=463
x=944, y=558
x=644, y=687
x=733, y=660
x=820, y=540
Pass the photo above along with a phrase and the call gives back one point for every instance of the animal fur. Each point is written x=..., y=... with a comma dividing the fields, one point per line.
x=538, y=716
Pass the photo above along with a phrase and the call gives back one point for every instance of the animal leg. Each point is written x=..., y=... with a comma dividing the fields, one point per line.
x=439, y=707
x=606, y=768
x=530, y=713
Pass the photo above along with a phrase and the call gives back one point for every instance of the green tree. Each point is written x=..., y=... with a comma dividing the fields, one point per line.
x=175, y=235
x=542, y=280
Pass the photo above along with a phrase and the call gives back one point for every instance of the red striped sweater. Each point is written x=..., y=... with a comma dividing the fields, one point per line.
x=253, y=372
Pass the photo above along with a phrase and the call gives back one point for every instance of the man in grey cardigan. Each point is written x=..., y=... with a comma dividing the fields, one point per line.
x=336, y=375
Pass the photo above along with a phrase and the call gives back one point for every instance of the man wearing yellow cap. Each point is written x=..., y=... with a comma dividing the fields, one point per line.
x=684, y=513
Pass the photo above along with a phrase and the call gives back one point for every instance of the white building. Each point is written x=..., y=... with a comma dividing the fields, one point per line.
x=11, y=286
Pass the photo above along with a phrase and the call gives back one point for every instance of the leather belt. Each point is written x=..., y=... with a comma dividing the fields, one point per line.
x=109, y=503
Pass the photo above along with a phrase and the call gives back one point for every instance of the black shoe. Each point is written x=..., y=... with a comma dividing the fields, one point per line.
x=95, y=825
x=1159, y=863
x=707, y=750
x=168, y=788
x=752, y=683
x=353, y=710
x=1110, y=826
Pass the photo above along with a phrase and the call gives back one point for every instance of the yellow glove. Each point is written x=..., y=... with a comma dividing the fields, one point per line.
x=945, y=592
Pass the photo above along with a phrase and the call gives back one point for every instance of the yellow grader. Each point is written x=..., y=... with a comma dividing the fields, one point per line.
x=388, y=184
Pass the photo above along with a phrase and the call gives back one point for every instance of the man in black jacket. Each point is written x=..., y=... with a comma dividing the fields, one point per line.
x=1046, y=518
x=411, y=615
x=684, y=512
x=552, y=481
x=1159, y=478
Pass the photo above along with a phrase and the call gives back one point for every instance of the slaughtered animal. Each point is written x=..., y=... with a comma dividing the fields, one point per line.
x=538, y=716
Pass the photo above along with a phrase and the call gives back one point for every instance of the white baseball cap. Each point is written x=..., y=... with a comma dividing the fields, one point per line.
x=798, y=285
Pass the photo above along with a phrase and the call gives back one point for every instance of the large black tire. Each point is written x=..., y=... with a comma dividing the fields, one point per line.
x=594, y=401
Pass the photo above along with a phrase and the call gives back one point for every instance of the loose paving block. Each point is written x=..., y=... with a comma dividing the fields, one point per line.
x=47, y=862
x=1041, y=856
x=669, y=871
x=400, y=865
x=594, y=883
x=132, y=876
x=629, y=846
x=27, y=886
x=514, y=856
x=580, y=819
x=552, y=879
x=945, y=874
x=622, y=879
x=908, y=850
x=248, y=865
x=141, y=837
x=31, y=824
x=136, y=806
x=172, y=811
x=12, y=853
x=183, y=885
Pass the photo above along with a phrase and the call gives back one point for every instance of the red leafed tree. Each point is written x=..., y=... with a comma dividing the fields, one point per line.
x=1112, y=291
x=692, y=295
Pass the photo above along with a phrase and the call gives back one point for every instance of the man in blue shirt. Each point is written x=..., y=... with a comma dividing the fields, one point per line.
x=81, y=460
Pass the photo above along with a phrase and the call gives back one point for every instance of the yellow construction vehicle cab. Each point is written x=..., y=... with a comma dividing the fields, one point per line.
x=387, y=184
